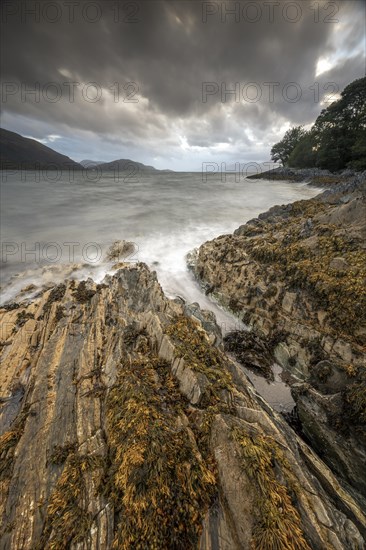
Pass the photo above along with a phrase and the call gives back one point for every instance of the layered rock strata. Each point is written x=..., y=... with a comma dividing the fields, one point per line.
x=124, y=425
x=297, y=276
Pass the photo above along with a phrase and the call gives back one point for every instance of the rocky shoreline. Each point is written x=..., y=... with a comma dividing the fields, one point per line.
x=313, y=176
x=125, y=425
x=296, y=275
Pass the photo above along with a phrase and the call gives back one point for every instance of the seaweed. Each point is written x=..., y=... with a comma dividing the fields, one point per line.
x=194, y=347
x=9, y=441
x=132, y=333
x=355, y=401
x=82, y=294
x=60, y=453
x=60, y=313
x=159, y=483
x=56, y=295
x=11, y=306
x=67, y=518
x=22, y=318
x=252, y=351
x=277, y=522
x=341, y=293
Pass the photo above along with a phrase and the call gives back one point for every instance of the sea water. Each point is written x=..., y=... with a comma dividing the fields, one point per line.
x=51, y=230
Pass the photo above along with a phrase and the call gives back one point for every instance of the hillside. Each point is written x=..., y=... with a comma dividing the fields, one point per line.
x=18, y=152
x=87, y=163
x=128, y=166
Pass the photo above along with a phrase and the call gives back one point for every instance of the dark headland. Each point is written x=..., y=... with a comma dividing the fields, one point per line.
x=21, y=153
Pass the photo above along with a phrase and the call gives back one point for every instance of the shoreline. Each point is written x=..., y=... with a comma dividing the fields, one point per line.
x=115, y=388
x=162, y=249
x=81, y=356
x=276, y=272
x=312, y=176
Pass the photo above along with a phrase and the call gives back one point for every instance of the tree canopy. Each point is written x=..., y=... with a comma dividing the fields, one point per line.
x=282, y=150
x=336, y=141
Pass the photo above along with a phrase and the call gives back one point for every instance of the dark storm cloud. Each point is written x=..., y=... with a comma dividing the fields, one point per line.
x=169, y=50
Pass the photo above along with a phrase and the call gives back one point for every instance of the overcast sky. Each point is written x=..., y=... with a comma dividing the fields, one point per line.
x=150, y=80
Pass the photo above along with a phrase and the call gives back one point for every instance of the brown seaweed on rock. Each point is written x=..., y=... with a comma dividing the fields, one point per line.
x=251, y=351
x=134, y=431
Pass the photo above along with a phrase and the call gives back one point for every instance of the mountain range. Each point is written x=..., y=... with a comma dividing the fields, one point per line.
x=18, y=152
x=21, y=153
x=87, y=163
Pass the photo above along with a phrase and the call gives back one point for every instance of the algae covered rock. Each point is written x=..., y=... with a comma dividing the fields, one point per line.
x=296, y=275
x=124, y=426
x=251, y=351
x=120, y=250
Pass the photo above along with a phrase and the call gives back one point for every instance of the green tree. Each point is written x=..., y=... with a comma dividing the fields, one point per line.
x=336, y=141
x=340, y=127
x=282, y=150
x=304, y=155
x=358, y=161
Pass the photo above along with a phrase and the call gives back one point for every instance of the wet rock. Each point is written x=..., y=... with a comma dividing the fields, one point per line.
x=252, y=351
x=328, y=377
x=321, y=424
x=207, y=320
x=120, y=250
x=132, y=426
x=340, y=264
x=191, y=258
x=307, y=228
x=299, y=270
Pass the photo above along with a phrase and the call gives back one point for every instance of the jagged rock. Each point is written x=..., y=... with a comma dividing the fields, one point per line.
x=296, y=276
x=120, y=250
x=341, y=446
x=251, y=351
x=123, y=426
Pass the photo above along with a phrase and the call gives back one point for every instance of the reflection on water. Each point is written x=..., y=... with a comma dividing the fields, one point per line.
x=277, y=393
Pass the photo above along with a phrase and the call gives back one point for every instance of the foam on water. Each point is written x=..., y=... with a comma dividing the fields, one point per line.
x=165, y=215
x=48, y=227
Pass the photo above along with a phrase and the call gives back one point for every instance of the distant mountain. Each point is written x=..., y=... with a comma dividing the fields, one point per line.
x=91, y=163
x=128, y=166
x=18, y=152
